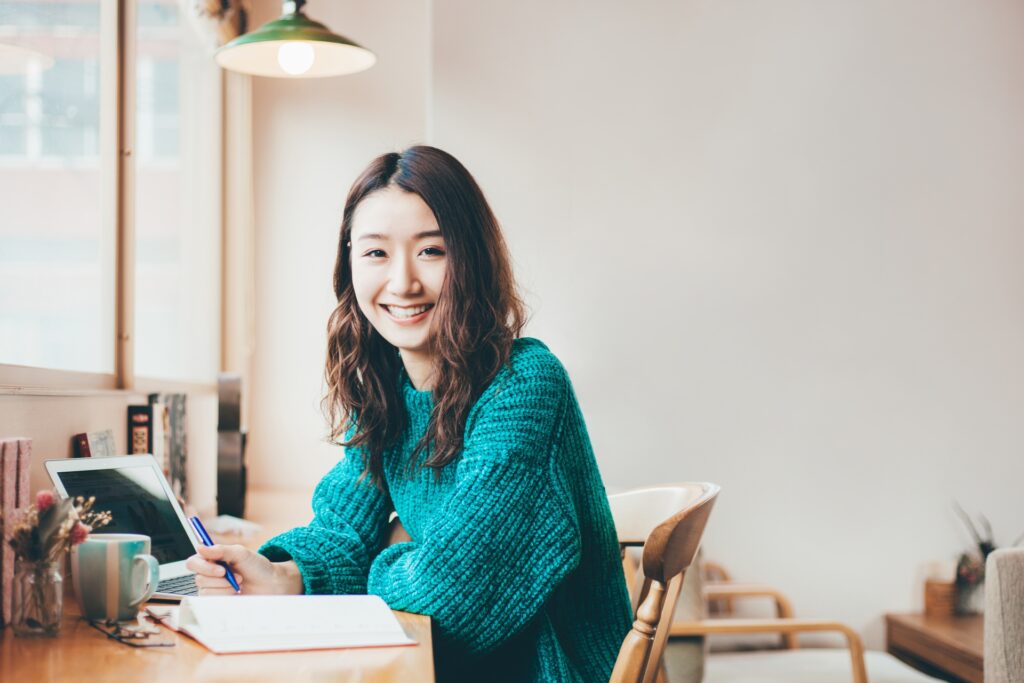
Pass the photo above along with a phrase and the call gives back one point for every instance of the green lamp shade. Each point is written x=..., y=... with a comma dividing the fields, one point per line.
x=294, y=46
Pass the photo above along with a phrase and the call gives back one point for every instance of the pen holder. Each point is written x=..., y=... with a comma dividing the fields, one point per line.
x=939, y=598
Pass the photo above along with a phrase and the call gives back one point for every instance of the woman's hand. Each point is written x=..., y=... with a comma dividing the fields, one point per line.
x=397, y=532
x=255, y=573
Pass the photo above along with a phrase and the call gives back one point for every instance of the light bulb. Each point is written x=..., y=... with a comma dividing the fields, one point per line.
x=295, y=57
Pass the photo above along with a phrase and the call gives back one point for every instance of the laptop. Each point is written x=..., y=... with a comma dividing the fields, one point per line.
x=135, y=491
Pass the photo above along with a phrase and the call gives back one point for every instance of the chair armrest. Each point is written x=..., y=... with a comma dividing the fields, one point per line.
x=785, y=626
x=717, y=591
x=714, y=591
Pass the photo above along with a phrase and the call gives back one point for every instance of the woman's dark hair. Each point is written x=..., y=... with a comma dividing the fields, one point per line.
x=477, y=316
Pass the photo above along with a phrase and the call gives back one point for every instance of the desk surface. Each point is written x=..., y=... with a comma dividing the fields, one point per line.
x=82, y=653
x=950, y=647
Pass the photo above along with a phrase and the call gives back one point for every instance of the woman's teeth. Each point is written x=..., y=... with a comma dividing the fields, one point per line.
x=408, y=312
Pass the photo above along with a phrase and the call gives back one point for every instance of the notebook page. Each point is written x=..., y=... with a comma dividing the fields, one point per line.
x=290, y=622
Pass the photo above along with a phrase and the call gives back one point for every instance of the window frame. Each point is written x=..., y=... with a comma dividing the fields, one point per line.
x=119, y=59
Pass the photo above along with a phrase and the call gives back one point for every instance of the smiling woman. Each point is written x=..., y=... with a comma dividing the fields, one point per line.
x=446, y=250
x=471, y=435
x=398, y=269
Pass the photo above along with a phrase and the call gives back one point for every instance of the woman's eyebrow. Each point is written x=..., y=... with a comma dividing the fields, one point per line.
x=379, y=236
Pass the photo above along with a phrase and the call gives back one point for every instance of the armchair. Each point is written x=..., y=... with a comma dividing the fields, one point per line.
x=1004, y=616
x=790, y=664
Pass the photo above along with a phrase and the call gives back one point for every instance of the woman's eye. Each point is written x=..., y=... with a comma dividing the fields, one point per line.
x=375, y=253
x=433, y=251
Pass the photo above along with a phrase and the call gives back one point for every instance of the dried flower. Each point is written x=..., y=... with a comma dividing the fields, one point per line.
x=79, y=533
x=970, y=570
x=44, y=499
x=48, y=529
x=970, y=567
x=986, y=544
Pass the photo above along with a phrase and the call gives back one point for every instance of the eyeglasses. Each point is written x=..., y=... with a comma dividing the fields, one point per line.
x=133, y=635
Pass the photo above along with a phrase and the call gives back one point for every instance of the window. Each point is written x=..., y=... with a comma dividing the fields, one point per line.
x=60, y=192
x=177, y=198
x=56, y=237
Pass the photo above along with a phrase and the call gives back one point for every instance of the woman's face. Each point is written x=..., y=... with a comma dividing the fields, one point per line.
x=399, y=262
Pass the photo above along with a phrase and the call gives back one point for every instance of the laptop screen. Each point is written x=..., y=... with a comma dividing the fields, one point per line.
x=137, y=504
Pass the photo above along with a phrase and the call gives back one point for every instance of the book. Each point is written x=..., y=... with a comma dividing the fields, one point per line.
x=178, y=423
x=15, y=460
x=93, y=444
x=161, y=438
x=80, y=446
x=231, y=468
x=8, y=468
x=173, y=437
x=140, y=429
x=267, y=623
x=24, y=463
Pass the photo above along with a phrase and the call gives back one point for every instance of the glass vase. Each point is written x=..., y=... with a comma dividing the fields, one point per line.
x=971, y=599
x=37, y=600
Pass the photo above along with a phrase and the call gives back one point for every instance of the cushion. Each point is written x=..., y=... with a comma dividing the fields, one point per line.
x=1004, y=616
x=687, y=654
x=808, y=665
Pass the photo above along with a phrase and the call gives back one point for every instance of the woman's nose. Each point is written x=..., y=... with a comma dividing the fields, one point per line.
x=402, y=278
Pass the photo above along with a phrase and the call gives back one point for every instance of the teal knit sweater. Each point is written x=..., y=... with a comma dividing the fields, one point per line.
x=514, y=553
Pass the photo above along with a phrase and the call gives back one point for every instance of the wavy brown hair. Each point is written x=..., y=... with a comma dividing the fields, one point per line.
x=477, y=315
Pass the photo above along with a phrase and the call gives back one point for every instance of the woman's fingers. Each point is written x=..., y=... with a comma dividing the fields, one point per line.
x=210, y=585
x=228, y=590
x=203, y=567
x=204, y=582
x=257, y=571
x=206, y=558
x=212, y=552
x=234, y=555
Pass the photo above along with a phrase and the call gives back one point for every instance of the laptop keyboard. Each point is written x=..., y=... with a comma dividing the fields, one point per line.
x=179, y=585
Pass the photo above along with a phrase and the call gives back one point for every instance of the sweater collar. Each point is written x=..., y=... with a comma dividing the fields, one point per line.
x=416, y=401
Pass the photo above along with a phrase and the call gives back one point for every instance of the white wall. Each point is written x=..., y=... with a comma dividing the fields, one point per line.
x=776, y=244
x=312, y=137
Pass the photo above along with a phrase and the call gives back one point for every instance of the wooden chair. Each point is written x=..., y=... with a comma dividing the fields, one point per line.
x=785, y=624
x=668, y=521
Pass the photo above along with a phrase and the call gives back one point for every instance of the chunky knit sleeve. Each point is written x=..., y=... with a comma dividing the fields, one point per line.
x=487, y=561
x=349, y=524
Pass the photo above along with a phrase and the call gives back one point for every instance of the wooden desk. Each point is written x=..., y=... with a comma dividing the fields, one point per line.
x=82, y=654
x=950, y=648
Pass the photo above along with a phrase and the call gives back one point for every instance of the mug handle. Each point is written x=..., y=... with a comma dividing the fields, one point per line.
x=154, y=577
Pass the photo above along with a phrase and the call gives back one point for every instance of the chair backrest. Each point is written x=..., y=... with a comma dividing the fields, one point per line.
x=1004, y=616
x=669, y=521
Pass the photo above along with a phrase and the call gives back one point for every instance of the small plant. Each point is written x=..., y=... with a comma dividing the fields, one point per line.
x=43, y=532
x=970, y=566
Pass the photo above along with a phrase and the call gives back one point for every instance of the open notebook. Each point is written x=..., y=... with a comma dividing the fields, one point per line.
x=258, y=623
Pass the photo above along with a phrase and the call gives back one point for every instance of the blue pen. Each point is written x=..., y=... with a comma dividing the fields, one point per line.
x=205, y=538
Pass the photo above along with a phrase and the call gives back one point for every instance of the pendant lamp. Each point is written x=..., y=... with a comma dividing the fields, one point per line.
x=294, y=46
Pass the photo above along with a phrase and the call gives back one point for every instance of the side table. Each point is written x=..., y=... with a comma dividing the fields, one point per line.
x=950, y=648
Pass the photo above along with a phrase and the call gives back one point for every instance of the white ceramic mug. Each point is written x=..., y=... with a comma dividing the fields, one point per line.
x=113, y=574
